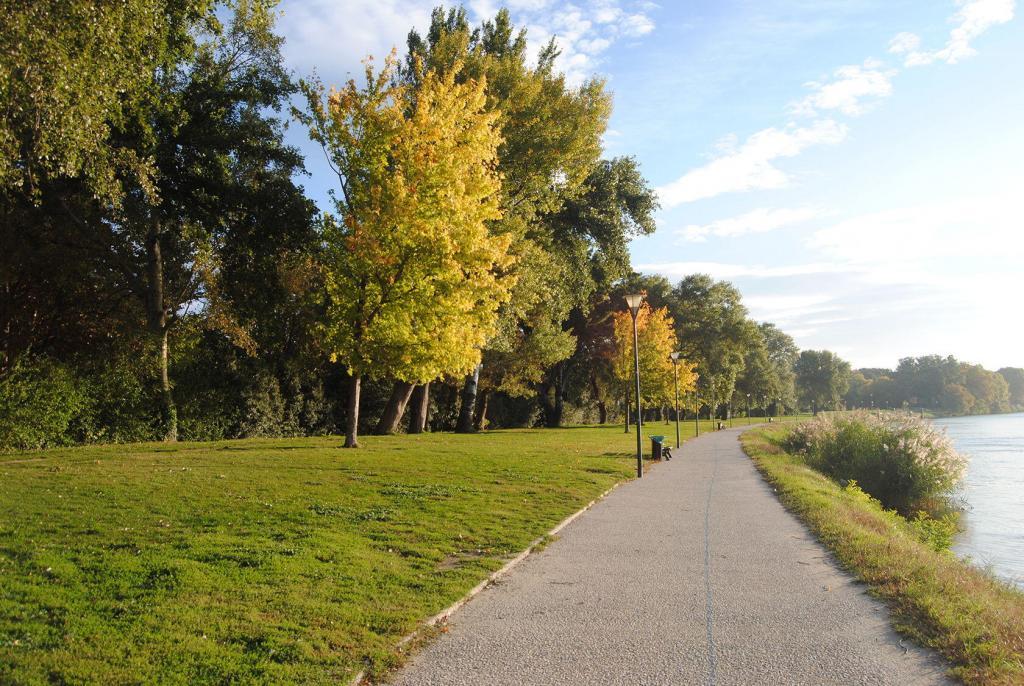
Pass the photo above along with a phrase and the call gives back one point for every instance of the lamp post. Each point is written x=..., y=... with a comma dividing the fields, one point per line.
x=675, y=381
x=748, y=408
x=633, y=303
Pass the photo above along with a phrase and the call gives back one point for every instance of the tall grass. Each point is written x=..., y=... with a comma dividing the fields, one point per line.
x=903, y=461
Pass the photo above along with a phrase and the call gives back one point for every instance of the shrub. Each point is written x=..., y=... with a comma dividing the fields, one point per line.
x=265, y=410
x=38, y=400
x=123, y=404
x=903, y=461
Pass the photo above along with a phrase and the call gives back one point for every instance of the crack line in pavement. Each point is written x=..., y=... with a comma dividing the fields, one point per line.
x=708, y=610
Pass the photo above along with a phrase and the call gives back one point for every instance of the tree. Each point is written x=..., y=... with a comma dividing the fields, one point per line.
x=990, y=390
x=782, y=355
x=1014, y=377
x=758, y=382
x=71, y=73
x=657, y=341
x=822, y=378
x=923, y=380
x=957, y=400
x=214, y=142
x=590, y=237
x=184, y=152
x=411, y=269
x=713, y=332
x=551, y=140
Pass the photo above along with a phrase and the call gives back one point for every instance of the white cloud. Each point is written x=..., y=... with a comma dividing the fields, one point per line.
x=636, y=25
x=974, y=18
x=904, y=42
x=850, y=91
x=583, y=32
x=849, y=85
x=973, y=226
x=760, y=220
x=724, y=270
x=334, y=37
x=750, y=165
x=789, y=309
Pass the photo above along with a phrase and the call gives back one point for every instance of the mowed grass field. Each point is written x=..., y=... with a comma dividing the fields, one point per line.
x=269, y=561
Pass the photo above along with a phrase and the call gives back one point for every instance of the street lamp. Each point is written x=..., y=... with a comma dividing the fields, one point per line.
x=675, y=381
x=748, y=408
x=633, y=303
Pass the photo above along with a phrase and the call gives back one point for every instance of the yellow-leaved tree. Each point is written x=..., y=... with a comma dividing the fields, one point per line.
x=411, y=269
x=657, y=338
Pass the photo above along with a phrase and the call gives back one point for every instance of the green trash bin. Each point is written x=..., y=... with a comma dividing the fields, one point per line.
x=656, y=443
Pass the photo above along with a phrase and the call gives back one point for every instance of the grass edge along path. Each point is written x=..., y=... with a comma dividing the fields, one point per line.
x=971, y=618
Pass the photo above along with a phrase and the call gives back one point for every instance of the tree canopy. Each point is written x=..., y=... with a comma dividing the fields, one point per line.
x=412, y=271
x=164, y=269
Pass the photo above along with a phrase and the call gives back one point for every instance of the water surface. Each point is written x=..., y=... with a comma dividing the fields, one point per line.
x=994, y=490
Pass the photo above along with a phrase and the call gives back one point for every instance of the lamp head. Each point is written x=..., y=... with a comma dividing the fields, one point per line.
x=633, y=301
x=674, y=356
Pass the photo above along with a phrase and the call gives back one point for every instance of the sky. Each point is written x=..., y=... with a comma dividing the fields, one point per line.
x=854, y=167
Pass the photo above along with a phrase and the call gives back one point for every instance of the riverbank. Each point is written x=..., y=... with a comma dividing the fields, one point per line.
x=973, y=619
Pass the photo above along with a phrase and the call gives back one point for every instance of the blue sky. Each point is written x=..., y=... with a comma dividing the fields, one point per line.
x=855, y=167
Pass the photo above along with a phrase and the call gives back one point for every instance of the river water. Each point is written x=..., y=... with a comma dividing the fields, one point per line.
x=994, y=490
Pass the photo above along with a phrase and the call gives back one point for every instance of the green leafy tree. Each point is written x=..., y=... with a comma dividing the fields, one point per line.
x=184, y=155
x=782, y=355
x=1014, y=377
x=71, y=74
x=758, y=381
x=209, y=129
x=590, y=237
x=713, y=332
x=990, y=390
x=822, y=379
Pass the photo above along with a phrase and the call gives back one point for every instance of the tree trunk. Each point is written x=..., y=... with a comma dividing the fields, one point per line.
x=481, y=411
x=466, y=412
x=602, y=407
x=352, y=432
x=555, y=420
x=395, y=409
x=159, y=317
x=626, y=413
x=170, y=410
x=420, y=409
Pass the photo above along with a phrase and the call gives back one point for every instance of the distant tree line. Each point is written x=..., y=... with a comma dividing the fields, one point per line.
x=165, y=276
x=943, y=385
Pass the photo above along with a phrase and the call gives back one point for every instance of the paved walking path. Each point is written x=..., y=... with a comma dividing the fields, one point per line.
x=693, y=575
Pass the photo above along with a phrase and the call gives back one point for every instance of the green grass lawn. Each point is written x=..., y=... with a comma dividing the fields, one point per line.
x=271, y=561
x=973, y=619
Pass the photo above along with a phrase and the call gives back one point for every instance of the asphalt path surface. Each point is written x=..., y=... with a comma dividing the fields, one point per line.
x=694, y=574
